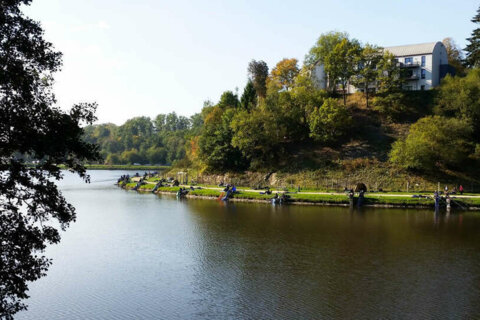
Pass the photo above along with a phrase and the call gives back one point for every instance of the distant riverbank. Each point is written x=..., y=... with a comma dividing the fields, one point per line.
x=126, y=167
x=385, y=200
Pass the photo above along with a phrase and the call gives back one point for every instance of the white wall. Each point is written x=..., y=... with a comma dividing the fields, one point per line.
x=427, y=82
x=319, y=77
x=439, y=57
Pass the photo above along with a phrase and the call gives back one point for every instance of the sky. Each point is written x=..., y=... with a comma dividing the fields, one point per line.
x=145, y=57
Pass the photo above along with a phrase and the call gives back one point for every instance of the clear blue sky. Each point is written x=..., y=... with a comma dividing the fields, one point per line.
x=146, y=57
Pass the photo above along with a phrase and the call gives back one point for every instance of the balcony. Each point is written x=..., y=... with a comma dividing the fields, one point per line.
x=412, y=77
x=410, y=64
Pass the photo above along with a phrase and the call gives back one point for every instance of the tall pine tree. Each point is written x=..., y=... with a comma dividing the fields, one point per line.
x=473, y=48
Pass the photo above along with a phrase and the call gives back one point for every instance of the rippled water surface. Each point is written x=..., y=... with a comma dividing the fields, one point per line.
x=141, y=256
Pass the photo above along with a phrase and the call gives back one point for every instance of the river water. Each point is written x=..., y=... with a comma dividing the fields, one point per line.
x=142, y=256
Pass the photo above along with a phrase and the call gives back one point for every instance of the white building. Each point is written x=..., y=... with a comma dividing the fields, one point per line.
x=425, y=65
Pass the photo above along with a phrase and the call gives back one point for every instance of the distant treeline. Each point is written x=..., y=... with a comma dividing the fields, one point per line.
x=142, y=140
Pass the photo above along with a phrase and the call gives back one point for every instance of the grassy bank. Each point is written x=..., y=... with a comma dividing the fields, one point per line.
x=384, y=200
x=334, y=178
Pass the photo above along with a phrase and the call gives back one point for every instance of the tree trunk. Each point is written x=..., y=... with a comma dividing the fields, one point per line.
x=366, y=93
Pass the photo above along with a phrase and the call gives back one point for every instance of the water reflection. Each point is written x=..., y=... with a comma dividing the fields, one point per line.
x=152, y=257
x=334, y=262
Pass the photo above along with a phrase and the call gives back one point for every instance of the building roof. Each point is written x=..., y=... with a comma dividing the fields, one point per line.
x=412, y=49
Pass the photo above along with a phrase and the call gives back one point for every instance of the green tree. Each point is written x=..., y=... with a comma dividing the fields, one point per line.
x=175, y=146
x=340, y=63
x=390, y=97
x=322, y=50
x=434, y=143
x=113, y=158
x=258, y=74
x=390, y=78
x=215, y=148
x=306, y=97
x=159, y=122
x=258, y=136
x=248, y=100
x=329, y=122
x=324, y=46
x=196, y=122
x=31, y=206
x=460, y=97
x=473, y=48
x=132, y=156
x=156, y=155
x=366, y=73
x=228, y=100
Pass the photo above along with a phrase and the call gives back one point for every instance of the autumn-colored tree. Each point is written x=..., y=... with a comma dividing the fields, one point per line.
x=455, y=56
x=285, y=72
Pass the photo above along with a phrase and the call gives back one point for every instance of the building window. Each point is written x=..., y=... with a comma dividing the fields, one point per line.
x=423, y=61
x=409, y=60
x=422, y=87
x=422, y=74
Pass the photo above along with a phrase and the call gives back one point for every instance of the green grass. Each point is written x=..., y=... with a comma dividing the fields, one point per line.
x=153, y=179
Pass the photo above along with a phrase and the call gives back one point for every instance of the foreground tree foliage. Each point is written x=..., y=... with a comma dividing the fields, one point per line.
x=30, y=127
